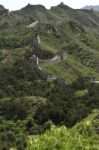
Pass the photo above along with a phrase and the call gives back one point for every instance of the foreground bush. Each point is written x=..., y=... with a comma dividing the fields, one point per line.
x=81, y=137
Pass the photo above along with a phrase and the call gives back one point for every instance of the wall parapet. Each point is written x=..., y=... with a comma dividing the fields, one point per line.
x=54, y=60
x=37, y=61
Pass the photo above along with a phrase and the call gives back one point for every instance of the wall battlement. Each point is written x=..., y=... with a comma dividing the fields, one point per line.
x=55, y=60
x=36, y=62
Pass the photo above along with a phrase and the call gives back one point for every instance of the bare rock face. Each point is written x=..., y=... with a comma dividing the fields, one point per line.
x=3, y=10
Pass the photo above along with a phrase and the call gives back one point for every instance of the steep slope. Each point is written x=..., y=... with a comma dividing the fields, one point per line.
x=27, y=102
x=61, y=28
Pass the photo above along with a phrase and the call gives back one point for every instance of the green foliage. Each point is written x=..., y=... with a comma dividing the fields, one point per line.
x=62, y=107
x=16, y=42
x=27, y=103
x=82, y=54
x=81, y=93
x=77, y=27
x=43, y=53
x=91, y=41
x=66, y=139
x=11, y=134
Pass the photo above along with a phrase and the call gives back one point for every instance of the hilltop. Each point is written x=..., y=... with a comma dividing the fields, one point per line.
x=61, y=28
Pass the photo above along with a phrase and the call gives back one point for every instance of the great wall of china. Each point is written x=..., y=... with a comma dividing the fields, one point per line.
x=53, y=60
x=44, y=74
x=37, y=62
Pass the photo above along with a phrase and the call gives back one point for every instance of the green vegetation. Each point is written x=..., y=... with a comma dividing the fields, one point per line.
x=82, y=136
x=29, y=105
x=71, y=68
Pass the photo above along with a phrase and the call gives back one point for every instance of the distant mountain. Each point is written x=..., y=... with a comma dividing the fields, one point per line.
x=96, y=8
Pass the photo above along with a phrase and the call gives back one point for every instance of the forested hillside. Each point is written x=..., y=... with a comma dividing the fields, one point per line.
x=29, y=105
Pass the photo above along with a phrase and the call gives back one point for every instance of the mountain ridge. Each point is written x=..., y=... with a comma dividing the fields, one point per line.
x=91, y=7
x=62, y=28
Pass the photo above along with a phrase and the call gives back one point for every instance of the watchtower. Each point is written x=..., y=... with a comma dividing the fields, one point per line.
x=34, y=61
x=62, y=55
x=36, y=40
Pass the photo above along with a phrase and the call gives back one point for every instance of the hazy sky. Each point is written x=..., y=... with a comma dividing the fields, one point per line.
x=17, y=4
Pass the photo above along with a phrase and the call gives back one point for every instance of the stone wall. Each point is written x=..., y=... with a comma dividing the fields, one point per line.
x=54, y=60
x=43, y=73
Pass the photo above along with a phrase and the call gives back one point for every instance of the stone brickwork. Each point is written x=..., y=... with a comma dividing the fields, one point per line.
x=55, y=60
